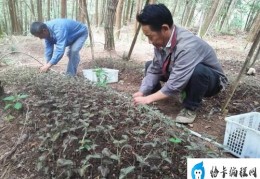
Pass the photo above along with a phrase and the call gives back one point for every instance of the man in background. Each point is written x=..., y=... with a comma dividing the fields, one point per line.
x=59, y=34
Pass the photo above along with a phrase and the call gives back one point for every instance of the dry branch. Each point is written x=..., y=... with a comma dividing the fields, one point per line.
x=9, y=153
x=21, y=53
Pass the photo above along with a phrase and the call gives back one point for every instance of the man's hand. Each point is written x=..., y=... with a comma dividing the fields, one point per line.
x=138, y=94
x=139, y=97
x=142, y=100
x=45, y=68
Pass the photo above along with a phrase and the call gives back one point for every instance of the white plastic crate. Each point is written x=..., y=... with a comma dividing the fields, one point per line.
x=242, y=136
x=110, y=75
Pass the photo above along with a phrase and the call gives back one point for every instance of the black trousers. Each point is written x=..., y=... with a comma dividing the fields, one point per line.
x=204, y=82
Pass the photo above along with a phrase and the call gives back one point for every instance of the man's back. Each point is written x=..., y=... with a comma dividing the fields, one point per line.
x=65, y=29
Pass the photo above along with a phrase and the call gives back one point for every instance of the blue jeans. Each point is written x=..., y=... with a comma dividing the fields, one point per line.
x=73, y=54
x=204, y=82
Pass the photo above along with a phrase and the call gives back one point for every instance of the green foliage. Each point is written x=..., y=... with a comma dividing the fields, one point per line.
x=175, y=140
x=183, y=95
x=14, y=101
x=85, y=144
x=101, y=75
x=87, y=132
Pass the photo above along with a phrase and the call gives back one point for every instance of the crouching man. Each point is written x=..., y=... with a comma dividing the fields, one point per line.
x=186, y=64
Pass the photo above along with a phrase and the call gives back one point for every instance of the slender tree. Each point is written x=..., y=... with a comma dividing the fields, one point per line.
x=97, y=14
x=63, y=8
x=134, y=39
x=16, y=26
x=175, y=4
x=119, y=11
x=186, y=12
x=109, y=23
x=208, y=19
x=254, y=28
x=81, y=10
x=127, y=12
x=224, y=14
x=217, y=14
x=139, y=6
x=191, y=14
x=249, y=17
x=48, y=9
x=229, y=12
x=39, y=10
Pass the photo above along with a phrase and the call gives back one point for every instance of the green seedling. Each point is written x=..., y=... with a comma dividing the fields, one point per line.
x=101, y=75
x=14, y=101
x=85, y=144
x=175, y=140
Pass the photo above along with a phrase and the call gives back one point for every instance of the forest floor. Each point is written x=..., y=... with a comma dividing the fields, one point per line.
x=231, y=51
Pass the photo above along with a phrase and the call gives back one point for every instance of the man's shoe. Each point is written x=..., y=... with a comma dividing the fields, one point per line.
x=186, y=116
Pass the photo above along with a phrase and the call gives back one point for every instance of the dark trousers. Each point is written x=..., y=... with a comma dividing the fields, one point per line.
x=204, y=82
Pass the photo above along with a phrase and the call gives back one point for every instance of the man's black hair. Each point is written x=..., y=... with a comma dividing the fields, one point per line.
x=37, y=27
x=155, y=15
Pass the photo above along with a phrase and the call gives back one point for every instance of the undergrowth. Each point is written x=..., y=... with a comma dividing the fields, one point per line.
x=84, y=131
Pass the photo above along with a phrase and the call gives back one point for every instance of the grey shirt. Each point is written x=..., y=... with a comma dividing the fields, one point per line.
x=189, y=51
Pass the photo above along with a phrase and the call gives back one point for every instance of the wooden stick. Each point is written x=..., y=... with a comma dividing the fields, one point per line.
x=21, y=53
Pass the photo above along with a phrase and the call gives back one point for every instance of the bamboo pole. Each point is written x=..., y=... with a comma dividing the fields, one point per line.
x=235, y=84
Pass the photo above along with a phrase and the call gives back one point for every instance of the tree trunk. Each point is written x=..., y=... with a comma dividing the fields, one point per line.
x=175, y=4
x=257, y=57
x=139, y=6
x=187, y=12
x=134, y=39
x=104, y=3
x=16, y=28
x=127, y=12
x=210, y=14
x=216, y=15
x=90, y=33
x=119, y=11
x=20, y=14
x=81, y=10
x=63, y=8
x=131, y=11
x=254, y=29
x=26, y=24
x=191, y=15
x=97, y=14
x=229, y=11
x=39, y=10
x=183, y=13
x=109, y=23
x=224, y=15
x=48, y=10
x=249, y=17
x=6, y=24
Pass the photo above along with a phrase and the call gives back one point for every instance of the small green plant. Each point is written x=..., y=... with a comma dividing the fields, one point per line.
x=101, y=75
x=175, y=140
x=85, y=144
x=14, y=101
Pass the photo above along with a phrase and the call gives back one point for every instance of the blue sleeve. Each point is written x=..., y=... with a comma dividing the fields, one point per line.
x=61, y=36
x=48, y=50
